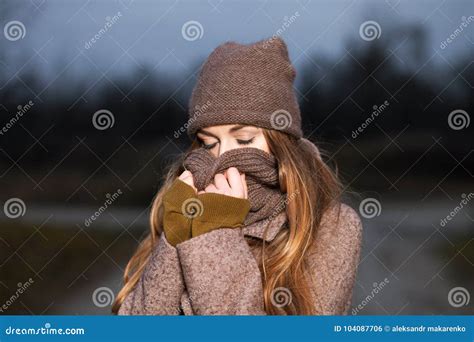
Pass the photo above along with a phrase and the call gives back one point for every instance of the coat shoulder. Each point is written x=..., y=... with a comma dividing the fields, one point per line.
x=342, y=221
x=339, y=235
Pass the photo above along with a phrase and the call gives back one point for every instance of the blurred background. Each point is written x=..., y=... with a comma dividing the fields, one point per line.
x=93, y=100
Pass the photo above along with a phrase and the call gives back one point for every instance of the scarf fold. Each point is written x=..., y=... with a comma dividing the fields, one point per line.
x=261, y=174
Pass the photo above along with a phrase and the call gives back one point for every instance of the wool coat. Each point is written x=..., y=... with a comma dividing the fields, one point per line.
x=216, y=273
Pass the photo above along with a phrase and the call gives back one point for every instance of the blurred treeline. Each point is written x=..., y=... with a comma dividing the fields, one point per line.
x=44, y=150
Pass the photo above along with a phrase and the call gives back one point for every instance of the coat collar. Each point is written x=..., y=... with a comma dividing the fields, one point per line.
x=257, y=229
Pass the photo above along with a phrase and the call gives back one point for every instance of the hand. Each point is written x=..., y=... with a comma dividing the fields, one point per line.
x=231, y=183
x=223, y=204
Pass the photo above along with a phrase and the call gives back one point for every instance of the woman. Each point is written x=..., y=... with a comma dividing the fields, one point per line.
x=249, y=221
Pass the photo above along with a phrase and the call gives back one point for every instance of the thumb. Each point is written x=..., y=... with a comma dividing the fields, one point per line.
x=244, y=183
x=187, y=177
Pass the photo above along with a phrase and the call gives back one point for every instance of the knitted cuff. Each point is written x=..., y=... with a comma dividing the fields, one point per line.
x=178, y=193
x=176, y=223
x=219, y=211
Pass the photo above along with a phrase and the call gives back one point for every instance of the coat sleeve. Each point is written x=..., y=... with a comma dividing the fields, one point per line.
x=160, y=288
x=334, y=259
x=221, y=274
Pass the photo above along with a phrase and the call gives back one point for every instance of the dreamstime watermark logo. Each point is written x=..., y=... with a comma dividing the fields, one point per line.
x=14, y=30
x=14, y=208
x=281, y=296
x=192, y=208
x=370, y=207
x=377, y=287
x=46, y=330
x=287, y=21
x=458, y=119
x=192, y=30
x=198, y=111
x=281, y=119
x=370, y=30
x=102, y=297
x=21, y=288
x=375, y=113
x=103, y=119
x=465, y=200
x=110, y=198
x=459, y=296
x=457, y=32
x=20, y=112
x=109, y=22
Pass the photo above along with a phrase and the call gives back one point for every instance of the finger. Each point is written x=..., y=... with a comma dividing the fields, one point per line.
x=244, y=183
x=235, y=182
x=211, y=188
x=187, y=177
x=221, y=183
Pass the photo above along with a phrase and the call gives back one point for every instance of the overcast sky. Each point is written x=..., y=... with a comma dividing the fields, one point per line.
x=56, y=31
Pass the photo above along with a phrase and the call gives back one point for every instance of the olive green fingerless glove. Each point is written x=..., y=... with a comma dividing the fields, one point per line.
x=220, y=211
x=188, y=215
x=176, y=225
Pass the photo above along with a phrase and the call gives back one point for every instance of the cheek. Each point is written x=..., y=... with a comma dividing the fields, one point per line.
x=261, y=143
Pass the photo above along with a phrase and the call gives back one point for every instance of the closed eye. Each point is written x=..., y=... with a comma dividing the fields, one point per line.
x=208, y=146
x=245, y=142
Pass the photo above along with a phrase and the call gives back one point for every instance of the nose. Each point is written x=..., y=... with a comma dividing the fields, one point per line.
x=224, y=146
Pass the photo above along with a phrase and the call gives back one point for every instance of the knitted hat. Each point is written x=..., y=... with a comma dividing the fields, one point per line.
x=246, y=84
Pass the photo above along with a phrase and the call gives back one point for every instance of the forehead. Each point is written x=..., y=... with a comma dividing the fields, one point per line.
x=227, y=129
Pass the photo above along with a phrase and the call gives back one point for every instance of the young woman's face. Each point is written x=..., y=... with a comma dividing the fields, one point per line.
x=219, y=139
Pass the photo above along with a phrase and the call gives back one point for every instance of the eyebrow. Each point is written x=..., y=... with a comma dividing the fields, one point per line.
x=236, y=128
x=201, y=131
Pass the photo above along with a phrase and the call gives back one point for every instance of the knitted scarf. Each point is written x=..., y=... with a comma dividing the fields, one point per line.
x=261, y=175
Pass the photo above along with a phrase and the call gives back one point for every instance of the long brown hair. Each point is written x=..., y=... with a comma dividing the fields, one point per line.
x=311, y=188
